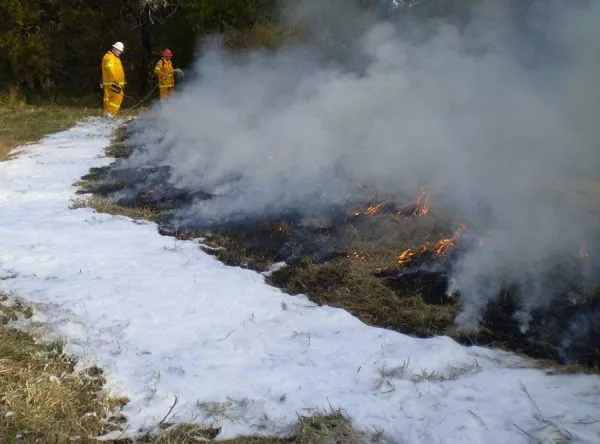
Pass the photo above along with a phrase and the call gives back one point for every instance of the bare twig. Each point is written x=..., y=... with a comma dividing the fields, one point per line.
x=477, y=417
x=559, y=430
x=586, y=422
x=170, y=410
x=529, y=435
x=226, y=336
x=123, y=432
x=529, y=396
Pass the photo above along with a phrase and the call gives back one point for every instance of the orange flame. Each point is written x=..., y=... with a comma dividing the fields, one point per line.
x=356, y=255
x=445, y=244
x=420, y=207
x=375, y=209
x=422, y=203
x=406, y=256
x=440, y=248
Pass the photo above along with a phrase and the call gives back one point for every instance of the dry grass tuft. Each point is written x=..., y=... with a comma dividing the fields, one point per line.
x=351, y=284
x=42, y=398
x=6, y=146
x=319, y=428
x=332, y=427
x=103, y=205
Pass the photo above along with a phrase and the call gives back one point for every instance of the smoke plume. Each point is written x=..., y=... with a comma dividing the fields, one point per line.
x=496, y=110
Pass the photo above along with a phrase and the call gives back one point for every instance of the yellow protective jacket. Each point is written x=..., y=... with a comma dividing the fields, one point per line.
x=164, y=71
x=112, y=70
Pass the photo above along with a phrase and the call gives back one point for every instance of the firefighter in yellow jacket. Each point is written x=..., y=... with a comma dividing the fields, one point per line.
x=164, y=71
x=113, y=79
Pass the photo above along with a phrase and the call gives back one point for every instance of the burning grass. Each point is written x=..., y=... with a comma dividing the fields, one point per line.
x=386, y=261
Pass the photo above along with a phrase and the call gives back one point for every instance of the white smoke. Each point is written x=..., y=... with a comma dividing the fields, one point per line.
x=500, y=113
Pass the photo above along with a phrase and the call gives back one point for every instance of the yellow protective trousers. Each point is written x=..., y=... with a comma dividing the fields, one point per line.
x=112, y=101
x=165, y=91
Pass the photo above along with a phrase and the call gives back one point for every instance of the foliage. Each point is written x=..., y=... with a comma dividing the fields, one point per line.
x=219, y=15
x=52, y=48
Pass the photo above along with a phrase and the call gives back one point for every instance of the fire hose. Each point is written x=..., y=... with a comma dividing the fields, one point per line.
x=140, y=101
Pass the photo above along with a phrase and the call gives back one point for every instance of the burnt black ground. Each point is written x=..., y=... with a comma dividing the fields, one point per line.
x=567, y=330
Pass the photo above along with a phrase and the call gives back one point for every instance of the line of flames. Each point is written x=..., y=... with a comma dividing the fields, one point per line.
x=421, y=206
x=439, y=248
x=375, y=209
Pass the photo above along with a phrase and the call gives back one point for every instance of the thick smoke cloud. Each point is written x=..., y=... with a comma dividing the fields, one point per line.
x=497, y=113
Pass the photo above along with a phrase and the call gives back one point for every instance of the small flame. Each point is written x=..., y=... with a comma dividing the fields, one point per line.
x=440, y=248
x=406, y=256
x=420, y=207
x=356, y=255
x=375, y=209
x=422, y=203
x=444, y=245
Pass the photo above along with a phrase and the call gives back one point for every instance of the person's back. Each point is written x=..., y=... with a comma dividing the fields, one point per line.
x=113, y=79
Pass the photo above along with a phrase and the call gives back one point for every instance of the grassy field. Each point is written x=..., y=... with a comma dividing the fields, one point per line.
x=21, y=123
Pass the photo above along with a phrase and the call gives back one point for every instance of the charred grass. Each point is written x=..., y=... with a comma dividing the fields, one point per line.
x=352, y=277
x=350, y=284
x=351, y=261
x=366, y=280
x=94, y=195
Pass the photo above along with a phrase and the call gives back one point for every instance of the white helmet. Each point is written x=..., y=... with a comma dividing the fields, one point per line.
x=119, y=46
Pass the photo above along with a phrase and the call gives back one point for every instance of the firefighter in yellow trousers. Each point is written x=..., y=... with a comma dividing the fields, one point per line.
x=164, y=72
x=113, y=79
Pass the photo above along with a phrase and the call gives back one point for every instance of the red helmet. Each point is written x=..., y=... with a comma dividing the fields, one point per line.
x=167, y=53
